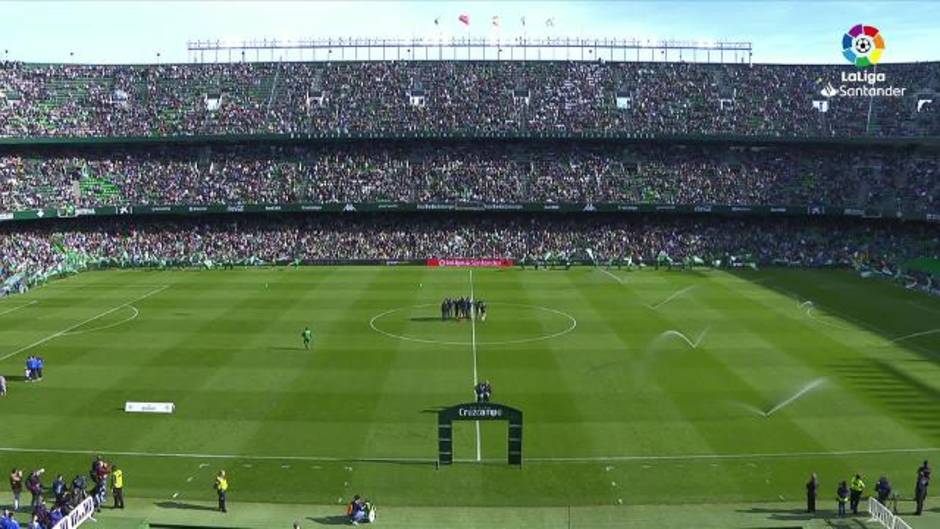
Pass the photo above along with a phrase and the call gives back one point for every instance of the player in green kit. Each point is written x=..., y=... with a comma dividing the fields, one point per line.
x=308, y=337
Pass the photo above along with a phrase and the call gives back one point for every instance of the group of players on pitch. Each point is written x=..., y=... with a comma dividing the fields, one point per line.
x=463, y=308
x=33, y=373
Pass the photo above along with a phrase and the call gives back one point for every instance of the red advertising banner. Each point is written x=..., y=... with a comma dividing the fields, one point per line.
x=470, y=262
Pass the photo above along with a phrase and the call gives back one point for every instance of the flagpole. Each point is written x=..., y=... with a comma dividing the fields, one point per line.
x=524, y=41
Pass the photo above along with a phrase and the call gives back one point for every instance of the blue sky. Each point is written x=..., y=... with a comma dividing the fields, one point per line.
x=124, y=31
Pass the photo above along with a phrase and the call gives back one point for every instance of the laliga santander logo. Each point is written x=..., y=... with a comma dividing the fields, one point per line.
x=863, y=45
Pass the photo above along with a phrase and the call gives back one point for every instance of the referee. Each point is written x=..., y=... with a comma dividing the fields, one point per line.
x=221, y=486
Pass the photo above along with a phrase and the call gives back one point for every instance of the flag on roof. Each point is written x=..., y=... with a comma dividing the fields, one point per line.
x=550, y=22
x=464, y=19
x=495, y=21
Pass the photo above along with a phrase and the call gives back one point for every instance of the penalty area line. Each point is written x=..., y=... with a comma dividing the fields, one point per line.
x=14, y=309
x=77, y=325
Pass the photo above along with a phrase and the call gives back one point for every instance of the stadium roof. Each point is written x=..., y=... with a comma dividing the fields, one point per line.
x=145, y=32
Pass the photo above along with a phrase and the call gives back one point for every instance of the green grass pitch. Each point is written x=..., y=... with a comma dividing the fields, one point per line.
x=637, y=387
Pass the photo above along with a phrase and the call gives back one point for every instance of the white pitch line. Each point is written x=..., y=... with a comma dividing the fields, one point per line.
x=810, y=313
x=654, y=457
x=473, y=346
x=915, y=335
x=77, y=325
x=672, y=297
x=14, y=309
x=616, y=277
x=706, y=457
x=874, y=329
x=109, y=326
x=758, y=455
x=177, y=455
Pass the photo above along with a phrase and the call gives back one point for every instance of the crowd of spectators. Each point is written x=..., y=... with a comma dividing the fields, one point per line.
x=458, y=97
x=50, y=504
x=252, y=239
x=491, y=172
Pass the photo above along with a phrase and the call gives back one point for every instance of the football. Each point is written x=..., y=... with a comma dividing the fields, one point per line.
x=863, y=45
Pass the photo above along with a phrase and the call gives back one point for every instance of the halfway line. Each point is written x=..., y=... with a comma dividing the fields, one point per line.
x=473, y=346
x=77, y=325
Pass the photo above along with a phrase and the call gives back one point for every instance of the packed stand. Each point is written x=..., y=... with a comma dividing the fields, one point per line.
x=443, y=98
x=251, y=239
x=498, y=172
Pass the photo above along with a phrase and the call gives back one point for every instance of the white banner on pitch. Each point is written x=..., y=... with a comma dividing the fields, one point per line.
x=149, y=407
x=78, y=515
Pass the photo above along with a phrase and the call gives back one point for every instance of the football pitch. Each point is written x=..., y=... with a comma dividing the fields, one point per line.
x=638, y=388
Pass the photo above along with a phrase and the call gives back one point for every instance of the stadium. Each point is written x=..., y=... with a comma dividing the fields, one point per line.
x=491, y=277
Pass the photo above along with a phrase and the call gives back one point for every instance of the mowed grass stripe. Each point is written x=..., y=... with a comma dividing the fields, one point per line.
x=694, y=379
x=225, y=402
x=628, y=408
x=545, y=391
x=219, y=343
x=795, y=383
x=866, y=369
x=386, y=398
x=55, y=316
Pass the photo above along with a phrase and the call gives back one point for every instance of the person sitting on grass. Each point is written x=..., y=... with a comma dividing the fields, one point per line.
x=356, y=510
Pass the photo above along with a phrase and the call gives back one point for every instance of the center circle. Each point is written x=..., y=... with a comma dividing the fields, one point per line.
x=566, y=323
